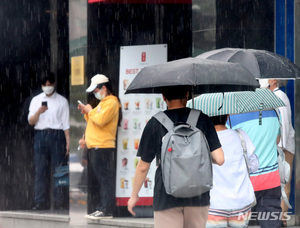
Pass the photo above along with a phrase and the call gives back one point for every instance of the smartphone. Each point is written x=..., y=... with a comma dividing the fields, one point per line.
x=79, y=102
x=44, y=103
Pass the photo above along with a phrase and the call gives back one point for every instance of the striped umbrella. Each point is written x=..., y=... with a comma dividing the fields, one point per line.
x=216, y=104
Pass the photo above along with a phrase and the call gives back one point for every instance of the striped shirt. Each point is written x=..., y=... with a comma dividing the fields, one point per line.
x=264, y=139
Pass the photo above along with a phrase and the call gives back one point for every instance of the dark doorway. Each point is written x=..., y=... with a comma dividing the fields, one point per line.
x=34, y=34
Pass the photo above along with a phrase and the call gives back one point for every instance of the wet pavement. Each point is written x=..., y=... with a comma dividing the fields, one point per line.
x=76, y=219
x=73, y=218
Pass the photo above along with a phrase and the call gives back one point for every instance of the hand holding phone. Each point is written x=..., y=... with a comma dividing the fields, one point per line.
x=81, y=106
x=44, y=103
x=44, y=107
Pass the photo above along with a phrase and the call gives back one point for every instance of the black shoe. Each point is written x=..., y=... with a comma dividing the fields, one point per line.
x=99, y=215
x=40, y=206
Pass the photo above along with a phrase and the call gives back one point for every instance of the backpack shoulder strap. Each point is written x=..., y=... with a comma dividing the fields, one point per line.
x=164, y=120
x=244, y=150
x=193, y=117
x=246, y=159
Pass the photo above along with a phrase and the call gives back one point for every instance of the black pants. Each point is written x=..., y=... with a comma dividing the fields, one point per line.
x=267, y=211
x=102, y=166
x=49, y=152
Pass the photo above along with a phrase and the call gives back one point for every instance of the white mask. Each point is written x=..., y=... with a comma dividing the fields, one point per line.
x=264, y=83
x=48, y=89
x=99, y=96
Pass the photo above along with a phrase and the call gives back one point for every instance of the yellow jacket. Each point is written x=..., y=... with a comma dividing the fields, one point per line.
x=102, y=123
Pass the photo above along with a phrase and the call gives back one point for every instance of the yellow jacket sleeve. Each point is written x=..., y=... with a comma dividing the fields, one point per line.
x=103, y=113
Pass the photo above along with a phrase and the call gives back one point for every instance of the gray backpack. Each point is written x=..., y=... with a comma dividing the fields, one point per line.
x=185, y=157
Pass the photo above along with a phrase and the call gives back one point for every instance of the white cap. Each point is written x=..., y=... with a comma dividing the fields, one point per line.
x=96, y=80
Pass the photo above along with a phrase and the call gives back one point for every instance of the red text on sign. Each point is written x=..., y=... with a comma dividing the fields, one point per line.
x=132, y=71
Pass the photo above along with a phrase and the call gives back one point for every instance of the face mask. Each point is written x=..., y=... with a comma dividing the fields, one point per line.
x=99, y=96
x=48, y=89
x=263, y=83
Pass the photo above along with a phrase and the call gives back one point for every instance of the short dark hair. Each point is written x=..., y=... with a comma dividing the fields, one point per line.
x=219, y=120
x=48, y=77
x=107, y=85
x=175, y=92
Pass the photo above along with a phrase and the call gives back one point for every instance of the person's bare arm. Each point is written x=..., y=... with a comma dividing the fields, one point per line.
x=139, y=178
x=34, y=118
x=278, y=140
x=218, y=156
x=82, y=142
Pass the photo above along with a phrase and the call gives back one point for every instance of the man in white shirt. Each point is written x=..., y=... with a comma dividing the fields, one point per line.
x=49, y=114
x=287, y=140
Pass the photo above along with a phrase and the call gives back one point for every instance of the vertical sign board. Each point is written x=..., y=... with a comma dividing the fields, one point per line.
x=137, y=110
x=77, y=70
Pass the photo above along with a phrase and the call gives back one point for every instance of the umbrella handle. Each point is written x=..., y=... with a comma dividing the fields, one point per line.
x=222, y=102
x=260, y=113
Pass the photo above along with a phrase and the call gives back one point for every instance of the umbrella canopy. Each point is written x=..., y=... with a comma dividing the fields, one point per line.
x=216, y=104
x=204, y=75
x=261, y=63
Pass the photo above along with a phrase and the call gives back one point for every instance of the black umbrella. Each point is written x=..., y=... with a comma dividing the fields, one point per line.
x=261, y=63
x=205, y=76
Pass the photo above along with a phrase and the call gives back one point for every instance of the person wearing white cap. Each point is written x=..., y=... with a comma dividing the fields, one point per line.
x=100, y=138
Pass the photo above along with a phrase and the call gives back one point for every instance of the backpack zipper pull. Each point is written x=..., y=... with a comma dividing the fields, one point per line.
x=186, y=140
x=170, y=149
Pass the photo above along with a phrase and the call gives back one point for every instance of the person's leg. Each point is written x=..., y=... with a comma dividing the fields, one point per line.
x=268, y=208
x=253, y=221
x=103, y=163
x=169, y=218
x=240, y=221
x=195, y=217
x=93, y=185
x=215, y=221
x=57, y=147
x=40, y=162
x=289, y=157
